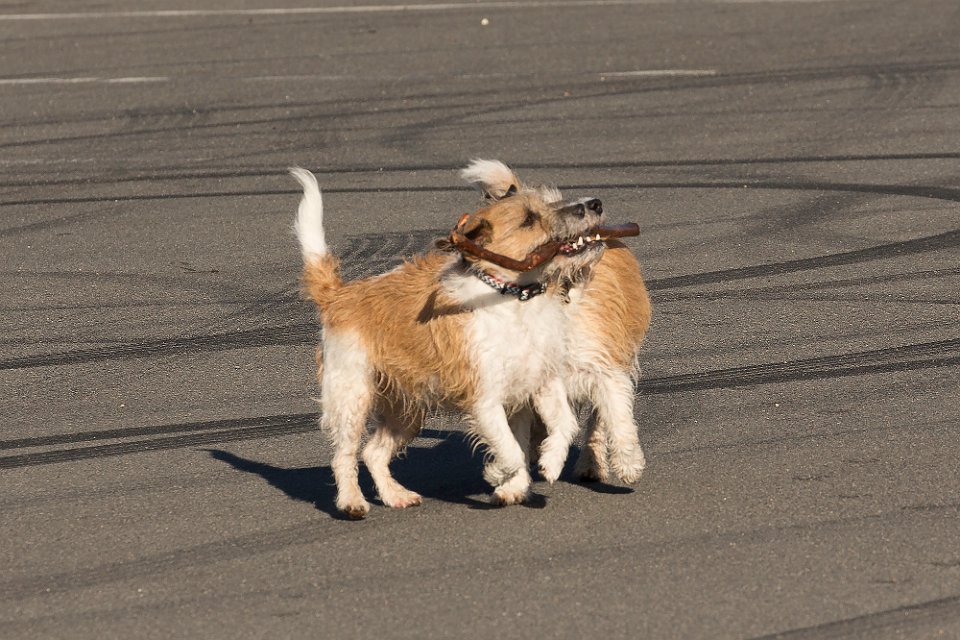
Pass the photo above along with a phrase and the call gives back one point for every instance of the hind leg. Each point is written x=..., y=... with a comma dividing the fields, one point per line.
x=538, y=433
x=393, y=432
x=592, y=463
x=346, y=396
x=613, y=399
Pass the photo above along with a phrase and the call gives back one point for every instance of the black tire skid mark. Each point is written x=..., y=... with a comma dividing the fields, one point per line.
x=61, y=221
x=293, y=334
x=208, y=111
x=209, y=552
x=286, y=303
x=919, y=191
x=887, y=89
x=937, y=242
x=203, y=116
x=879, y=624
x=281, y=307
x=305, y=333
x=616, y=87
x=944, y=353
x=290, y=419
x=216, y=194
x=926, y=355
x=625, y=86
x=271, y=428
x=820, y=285
x=158, y=175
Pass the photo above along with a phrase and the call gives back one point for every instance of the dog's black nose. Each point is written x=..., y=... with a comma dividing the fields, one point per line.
x=594, y=205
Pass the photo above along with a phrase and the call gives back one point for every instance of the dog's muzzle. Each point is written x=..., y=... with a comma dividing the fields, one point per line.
x=582, y=208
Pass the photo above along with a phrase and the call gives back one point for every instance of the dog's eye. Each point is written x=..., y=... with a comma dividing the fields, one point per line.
x=531, y=219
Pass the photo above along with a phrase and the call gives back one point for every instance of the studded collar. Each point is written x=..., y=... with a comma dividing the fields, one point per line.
x=523, y=292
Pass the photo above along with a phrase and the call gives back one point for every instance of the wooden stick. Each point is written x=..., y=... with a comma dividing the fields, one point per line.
x=541, y=254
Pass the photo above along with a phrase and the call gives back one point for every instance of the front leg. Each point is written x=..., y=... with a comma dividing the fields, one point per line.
x=512, y=479
x=561, y=423
x=520, y=424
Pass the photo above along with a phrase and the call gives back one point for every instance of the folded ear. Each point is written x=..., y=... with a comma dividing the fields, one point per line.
x=472, y=227
x=494, y=179
x=476, y=229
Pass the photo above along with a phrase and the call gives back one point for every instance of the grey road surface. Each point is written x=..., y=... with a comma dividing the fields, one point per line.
x=794, y=167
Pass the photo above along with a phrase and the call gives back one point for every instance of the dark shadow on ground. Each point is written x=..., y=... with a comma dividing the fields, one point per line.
x=448, y=471
x=307, y=484
x=603, y=487
x=596, y=486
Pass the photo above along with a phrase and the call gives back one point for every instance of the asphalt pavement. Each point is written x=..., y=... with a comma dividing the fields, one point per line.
x=794, y=167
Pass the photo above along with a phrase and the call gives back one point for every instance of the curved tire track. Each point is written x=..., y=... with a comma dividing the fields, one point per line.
x=907, y=620
x=357, y=250
x=212, y=174
x=936, y=193
x=925, y=355
x=245, y=339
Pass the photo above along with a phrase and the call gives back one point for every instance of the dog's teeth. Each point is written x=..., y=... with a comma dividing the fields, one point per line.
x=598, y=236
x=579, y=242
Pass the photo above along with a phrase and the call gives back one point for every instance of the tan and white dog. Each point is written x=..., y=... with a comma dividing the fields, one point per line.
x=452, y=329
x=607, y=318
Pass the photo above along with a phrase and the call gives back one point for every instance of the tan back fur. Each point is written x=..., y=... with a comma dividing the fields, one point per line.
x=617, y=304
x=405, y=319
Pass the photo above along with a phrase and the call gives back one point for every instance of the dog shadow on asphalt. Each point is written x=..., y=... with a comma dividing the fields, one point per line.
x=448, y=471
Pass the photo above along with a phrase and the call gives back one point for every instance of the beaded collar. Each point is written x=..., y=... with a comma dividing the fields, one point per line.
x=523, y=291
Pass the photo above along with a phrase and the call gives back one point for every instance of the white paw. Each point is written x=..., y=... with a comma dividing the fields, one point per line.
x=515, y=490
x=629, y=467
x=553, y=453
x=505, y=497
x=402, y=499
x=592, y=465
x=591, y=471
x=356, y=510
x=550, y=467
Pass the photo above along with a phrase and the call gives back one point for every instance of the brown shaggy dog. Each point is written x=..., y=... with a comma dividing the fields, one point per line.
x=607, y=318
x=449, y=329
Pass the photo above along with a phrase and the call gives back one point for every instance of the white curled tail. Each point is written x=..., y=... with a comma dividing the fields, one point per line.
x=309, y=225
x=321, y=271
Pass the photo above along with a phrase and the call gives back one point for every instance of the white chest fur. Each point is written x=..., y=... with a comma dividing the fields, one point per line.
x=516, y=346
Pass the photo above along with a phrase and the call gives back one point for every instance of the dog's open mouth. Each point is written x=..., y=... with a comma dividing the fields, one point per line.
x=596, y=236
x=544, y=252
x=573, y=247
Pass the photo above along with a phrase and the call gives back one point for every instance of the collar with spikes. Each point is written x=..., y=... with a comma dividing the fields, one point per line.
x=523, y=292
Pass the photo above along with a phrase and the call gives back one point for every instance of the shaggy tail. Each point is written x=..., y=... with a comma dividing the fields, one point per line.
x=321, y=270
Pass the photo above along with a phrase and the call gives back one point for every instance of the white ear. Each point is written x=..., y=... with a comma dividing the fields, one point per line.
x=492, y=177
